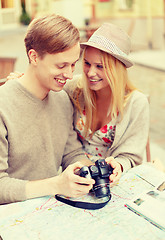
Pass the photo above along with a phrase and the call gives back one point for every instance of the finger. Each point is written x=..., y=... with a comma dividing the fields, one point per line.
x=17, y=74
x=82, y=180
x=80, y=190
x=109, y=160
x=117, y=168
x=115, y=178
x=76, y=165
x=13, y=75
x=84, y=188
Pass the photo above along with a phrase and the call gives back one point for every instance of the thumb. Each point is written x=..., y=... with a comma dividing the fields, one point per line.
x=109, y=159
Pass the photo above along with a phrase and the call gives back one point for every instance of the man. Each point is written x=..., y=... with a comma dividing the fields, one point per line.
x=36, y=132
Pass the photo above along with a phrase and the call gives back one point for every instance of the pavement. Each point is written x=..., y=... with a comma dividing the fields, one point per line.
x=148, y=74
x=154, y=59
x=150, y=78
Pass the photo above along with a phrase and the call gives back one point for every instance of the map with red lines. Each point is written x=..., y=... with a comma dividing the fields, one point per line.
x=48, y=219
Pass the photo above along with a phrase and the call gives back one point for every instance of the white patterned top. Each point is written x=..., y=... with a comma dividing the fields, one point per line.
x=96, y=146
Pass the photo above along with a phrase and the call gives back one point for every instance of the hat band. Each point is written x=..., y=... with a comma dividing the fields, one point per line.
x=106, y=43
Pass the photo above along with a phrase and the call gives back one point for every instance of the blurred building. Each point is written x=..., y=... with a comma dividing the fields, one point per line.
x=143, y=20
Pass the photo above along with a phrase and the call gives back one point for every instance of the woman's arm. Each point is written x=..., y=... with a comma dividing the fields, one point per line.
x=132, y=133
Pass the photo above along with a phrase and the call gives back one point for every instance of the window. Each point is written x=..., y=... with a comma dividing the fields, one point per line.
x=7, y=3
x=126, y=4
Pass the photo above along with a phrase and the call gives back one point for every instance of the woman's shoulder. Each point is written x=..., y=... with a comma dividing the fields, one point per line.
x=136, y=102
x=139, y=97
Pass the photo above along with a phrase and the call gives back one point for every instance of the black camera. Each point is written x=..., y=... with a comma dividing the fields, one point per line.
x=100, y=172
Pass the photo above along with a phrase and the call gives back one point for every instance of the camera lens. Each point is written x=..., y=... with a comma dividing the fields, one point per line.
x=101, y=187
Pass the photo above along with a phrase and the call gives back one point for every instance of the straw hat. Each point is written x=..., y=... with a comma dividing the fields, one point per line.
x=113, y=40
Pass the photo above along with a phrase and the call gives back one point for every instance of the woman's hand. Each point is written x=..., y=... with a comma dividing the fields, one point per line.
x=14, y=75
x=115, y=176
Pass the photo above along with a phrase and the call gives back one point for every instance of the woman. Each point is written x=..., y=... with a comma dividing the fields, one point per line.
x=111, y=115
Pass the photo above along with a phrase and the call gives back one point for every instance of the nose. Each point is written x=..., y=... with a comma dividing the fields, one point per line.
x=69, y=73
x=91, y=71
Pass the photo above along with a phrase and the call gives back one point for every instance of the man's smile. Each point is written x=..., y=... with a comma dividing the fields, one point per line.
x=61, y=81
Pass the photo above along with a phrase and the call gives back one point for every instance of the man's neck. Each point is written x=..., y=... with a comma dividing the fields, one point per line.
x=30, y=82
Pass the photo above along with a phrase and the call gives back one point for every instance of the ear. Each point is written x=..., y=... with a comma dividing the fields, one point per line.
x=33, y=56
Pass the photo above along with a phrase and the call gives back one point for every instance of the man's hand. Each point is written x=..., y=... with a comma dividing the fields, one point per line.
x=67, y=183
x=70, y=184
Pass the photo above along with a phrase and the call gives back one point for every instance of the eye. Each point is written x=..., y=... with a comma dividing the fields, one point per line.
x=86, y=63
x=61, y=66
x=99, y=66
x=73, y=65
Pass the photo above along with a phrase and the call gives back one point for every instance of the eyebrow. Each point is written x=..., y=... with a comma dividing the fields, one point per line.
x=100, y=63
x=67, y=62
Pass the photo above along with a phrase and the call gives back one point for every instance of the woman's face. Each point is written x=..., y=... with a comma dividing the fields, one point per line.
x=93, y=69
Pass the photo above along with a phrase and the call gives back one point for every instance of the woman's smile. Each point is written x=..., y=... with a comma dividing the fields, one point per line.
x=95, y=80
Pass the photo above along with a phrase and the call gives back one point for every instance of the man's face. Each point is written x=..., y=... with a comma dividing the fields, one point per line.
x=53, y=70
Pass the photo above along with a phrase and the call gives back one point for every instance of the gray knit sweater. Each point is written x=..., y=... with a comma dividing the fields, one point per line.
x=36, y=137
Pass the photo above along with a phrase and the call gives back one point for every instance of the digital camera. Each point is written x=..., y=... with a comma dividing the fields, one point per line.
x=100, y=172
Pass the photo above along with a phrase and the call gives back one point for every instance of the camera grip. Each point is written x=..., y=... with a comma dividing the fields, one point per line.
x=84, y=172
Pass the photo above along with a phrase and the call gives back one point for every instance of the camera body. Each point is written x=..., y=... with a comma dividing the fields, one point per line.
x=100, y=172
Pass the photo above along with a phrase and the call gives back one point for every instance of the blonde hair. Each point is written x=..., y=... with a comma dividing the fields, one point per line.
x=120, y=90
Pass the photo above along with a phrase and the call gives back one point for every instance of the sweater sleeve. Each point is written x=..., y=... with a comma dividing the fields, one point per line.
x=73, y=150
x=132, y=133
x=11, y=189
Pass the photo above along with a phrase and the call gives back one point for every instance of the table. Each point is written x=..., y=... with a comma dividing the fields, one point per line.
x=46, y=218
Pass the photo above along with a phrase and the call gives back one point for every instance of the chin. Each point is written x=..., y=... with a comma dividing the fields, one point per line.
x=57, y=89
x=95, y=88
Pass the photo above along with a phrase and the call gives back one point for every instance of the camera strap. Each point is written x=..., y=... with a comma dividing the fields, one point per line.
x=84, y=205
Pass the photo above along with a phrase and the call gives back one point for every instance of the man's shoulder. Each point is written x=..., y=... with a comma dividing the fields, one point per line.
x=60, y=97
x=6, y=89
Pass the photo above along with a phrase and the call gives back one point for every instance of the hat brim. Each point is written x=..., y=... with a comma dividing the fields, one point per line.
x=126, y=61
